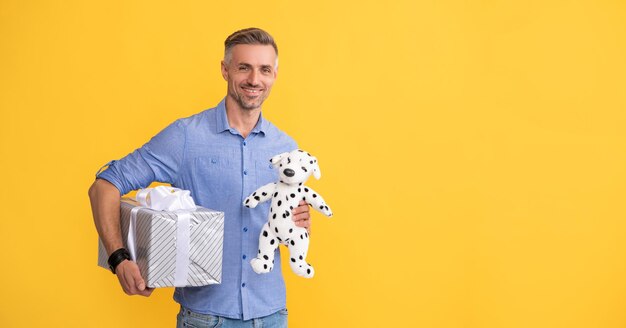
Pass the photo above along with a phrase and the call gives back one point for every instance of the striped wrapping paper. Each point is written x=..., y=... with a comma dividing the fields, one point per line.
x=156, y=245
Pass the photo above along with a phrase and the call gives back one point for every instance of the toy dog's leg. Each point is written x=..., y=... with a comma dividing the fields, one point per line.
x=264, y=262
x=298, y=248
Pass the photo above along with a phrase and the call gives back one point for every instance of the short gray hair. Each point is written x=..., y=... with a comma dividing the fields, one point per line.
x=250, y=35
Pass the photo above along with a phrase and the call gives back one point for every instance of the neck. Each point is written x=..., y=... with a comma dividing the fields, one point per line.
x=243, y=120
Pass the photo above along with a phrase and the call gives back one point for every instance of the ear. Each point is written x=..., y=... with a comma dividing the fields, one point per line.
x=224, y=71
x=276, y=159
x=316, y=169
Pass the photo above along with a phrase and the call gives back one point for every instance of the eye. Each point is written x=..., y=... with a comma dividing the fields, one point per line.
x=267, y=70
x=243, y=68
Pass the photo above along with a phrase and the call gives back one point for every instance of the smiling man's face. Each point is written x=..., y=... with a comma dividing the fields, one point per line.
x=250, y=74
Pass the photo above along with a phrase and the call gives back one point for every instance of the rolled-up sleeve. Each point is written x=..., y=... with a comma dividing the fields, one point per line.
x=158, y=160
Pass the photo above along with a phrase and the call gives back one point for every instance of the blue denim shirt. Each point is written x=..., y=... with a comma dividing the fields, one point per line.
x=203, y=154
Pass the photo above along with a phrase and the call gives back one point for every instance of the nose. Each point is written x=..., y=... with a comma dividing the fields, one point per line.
x=253, y=77
x=289, y=172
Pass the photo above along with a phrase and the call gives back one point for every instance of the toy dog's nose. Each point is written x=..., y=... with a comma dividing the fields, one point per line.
x=289, y=172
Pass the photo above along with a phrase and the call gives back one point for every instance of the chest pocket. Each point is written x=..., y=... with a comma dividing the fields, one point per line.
x=216, y=175
x=265, y=173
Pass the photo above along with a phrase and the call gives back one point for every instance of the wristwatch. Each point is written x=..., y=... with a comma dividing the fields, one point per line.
x=118, y=257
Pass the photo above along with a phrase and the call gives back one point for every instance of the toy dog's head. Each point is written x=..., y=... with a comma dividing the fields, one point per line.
x=296, y=166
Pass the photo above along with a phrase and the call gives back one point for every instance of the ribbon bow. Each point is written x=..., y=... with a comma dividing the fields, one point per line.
x=164, y=198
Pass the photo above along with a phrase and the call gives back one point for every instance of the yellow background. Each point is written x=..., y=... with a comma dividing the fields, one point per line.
x=472, y=151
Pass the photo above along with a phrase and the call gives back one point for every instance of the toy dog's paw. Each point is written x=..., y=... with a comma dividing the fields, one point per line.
x=251, y=202
x=261, y=266
x=324, y=209
x=303, y=270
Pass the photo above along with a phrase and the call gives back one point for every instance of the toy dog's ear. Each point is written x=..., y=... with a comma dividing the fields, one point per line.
x=316, y=169
x=276, y=159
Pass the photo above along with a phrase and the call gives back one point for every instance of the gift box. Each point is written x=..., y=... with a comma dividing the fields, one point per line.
x=172, y=248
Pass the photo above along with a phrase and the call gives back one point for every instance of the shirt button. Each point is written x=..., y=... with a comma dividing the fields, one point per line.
x=244, y=143
x=244, y=256
x=245, y=172
x=213, y=160
x=243, y=285
x=245, y=229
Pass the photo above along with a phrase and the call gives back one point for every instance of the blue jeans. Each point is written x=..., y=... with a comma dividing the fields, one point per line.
x=189, y=319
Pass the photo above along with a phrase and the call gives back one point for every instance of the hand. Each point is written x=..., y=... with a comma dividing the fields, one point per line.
x=131, y=280
x=301, y=216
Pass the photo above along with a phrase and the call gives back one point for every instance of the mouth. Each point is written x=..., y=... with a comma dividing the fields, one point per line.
x=251, y=92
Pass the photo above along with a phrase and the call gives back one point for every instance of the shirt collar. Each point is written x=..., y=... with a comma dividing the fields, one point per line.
x=222, y=121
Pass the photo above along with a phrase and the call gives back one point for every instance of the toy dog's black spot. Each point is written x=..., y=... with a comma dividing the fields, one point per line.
x=266, y=257
x=293, y=195
x=280, y=202
x=264, y=233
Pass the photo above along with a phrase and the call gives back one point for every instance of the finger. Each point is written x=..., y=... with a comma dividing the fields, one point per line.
x=301, y=216
x=302, y=207
x=303, y=223
x=139, y=283
x=146, y=292
x=135, y=280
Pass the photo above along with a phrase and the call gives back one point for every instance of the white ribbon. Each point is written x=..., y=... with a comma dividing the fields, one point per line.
x=164, y=198
x=172, y=200
x=183, y=236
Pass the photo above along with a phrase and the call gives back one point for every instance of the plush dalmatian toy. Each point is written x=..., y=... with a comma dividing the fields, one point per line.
x=294, y=169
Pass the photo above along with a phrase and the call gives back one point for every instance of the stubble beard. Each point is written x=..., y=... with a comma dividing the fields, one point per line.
x=241, y=99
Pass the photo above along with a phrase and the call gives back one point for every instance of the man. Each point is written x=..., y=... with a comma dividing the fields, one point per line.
x=221, y=155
